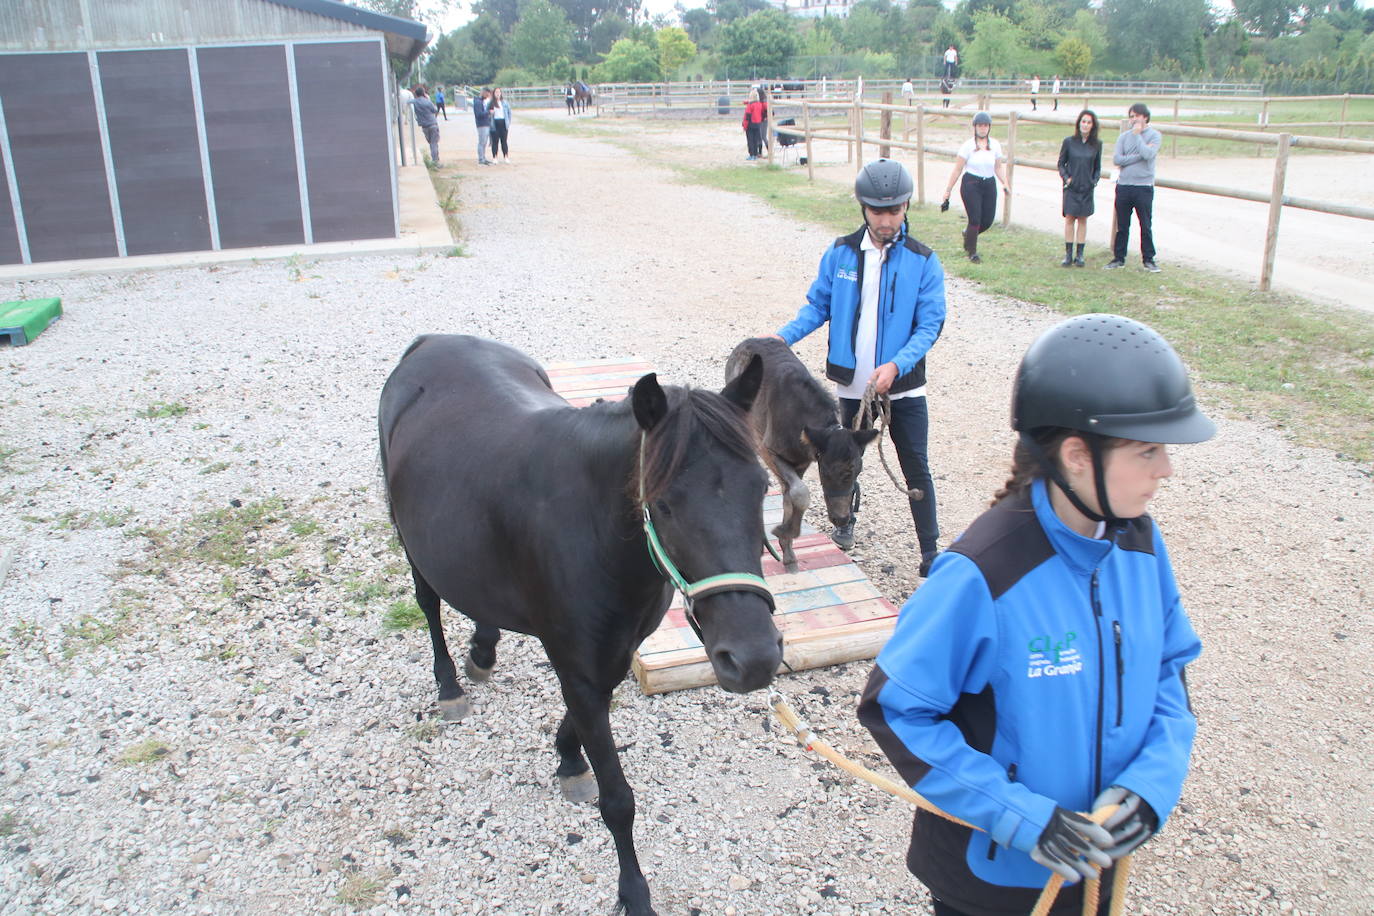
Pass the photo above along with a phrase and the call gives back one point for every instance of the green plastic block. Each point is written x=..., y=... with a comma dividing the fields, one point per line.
x=24, y=320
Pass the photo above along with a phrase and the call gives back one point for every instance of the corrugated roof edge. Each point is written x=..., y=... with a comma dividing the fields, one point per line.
x=394, y=25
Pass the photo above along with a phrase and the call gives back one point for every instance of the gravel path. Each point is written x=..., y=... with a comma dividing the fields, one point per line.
x=206, y=715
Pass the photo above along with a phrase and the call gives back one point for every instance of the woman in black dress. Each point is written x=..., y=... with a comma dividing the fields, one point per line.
x=1080, y=166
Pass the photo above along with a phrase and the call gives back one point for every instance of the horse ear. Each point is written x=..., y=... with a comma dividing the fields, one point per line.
x=745, y=386
x=816, y=437
x=650, y=403
x=865, y=436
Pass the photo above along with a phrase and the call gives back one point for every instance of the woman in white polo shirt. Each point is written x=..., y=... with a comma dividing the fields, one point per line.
x=983, y=166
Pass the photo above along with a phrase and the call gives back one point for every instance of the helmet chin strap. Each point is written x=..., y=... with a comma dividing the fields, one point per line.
x=1099, y=476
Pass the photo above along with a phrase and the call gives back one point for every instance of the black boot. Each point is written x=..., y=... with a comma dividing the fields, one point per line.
x=1068, y=255
x=1078, y=258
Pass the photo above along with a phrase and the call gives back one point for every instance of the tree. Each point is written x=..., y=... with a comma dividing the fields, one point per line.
x=734, y=10
x=1270, y=18
x=1074, y=56
x=998, y=45
x=605, y=34
x=541, y=39
x=1143, y=32
x=629, y=61
x=760, y=44
x=505, y=12
x=1087, y=27
x=698, y=23
x=674, y=50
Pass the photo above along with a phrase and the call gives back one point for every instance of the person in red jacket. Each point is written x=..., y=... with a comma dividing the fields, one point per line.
x=754, y=113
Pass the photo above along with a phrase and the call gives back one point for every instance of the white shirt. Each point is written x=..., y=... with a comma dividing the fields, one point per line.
x=981, y=163
x=1055, y=88
x=908, y=90
x=951, y=56
x=866, y=338
x=1035, y=84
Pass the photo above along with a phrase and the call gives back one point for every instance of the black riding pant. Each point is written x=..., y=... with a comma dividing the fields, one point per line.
x=980, y=203
x=499, y=132
x=1141, y=199
x=910, y=433
x=754, y=137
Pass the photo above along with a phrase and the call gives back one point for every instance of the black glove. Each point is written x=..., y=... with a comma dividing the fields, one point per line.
x=945, y=205
x=1071, y=844
x=1132, y=823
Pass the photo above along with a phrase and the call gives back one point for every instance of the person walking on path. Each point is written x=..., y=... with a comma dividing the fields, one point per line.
x=1054, y=91
x=1080, y=167
x=481, y=116
x=1134, y=156
x=439, y=102
x=909, y=91
x=1034, y=91
x=500, y=125
x=1040, y=670
x=981, y=162
x=883, y=294
x=426, y=116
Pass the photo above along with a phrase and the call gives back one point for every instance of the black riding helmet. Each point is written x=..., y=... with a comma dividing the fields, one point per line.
x=883, y=183
x=1107, y=377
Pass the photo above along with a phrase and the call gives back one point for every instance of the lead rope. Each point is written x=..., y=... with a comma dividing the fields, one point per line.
x=1092, y=886
x=871, y=408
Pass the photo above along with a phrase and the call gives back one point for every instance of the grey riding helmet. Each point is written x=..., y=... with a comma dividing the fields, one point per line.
x=1108, y=375
x=883, y=183
x=982, y=117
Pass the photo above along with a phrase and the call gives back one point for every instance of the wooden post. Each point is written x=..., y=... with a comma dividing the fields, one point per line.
x=1011, y=165
x=1271, y=234
x=768, y=128
x=921, y=153
x=858, y=134
x=806, y=126
x=885, y=127
x=849, y=144
x=1173, y=141
x=1345, y=104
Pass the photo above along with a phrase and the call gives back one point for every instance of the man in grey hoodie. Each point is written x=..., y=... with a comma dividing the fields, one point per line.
x=426, y=116
x=1134, y=156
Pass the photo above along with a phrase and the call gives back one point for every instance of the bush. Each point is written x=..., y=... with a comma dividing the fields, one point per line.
x=515, y=76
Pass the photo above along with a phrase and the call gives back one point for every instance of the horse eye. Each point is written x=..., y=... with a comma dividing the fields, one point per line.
x=662, y=506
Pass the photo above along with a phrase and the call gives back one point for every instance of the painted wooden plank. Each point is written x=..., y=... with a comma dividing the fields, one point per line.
x=828, y=612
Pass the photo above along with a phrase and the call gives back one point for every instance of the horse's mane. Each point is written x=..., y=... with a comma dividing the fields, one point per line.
x=691, y=412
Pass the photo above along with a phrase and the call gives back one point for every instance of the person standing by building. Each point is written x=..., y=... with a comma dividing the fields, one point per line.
x=500, y=125
x=1080, y=167
x=1034, y=91
x=1041, y=669
x=481, y=116
x=426, y=117
x=1134, y=156
x=439, y=102
x=883, y=294
x=981, y=161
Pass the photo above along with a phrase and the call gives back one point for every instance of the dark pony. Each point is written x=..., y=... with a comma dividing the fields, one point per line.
x=582, y=95
x=797, y=422
x=529, y=515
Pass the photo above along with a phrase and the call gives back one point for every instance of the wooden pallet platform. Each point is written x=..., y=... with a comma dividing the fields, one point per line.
x=827, y=611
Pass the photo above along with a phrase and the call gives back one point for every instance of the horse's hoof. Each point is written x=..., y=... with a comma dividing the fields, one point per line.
x=790, y=565
x=454, y=710
x=780, y=532
x=475, y=674
x=578, y=789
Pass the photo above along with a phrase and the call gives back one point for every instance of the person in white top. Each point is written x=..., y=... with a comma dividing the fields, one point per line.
x=951, y=62
x=983, y=166
x=1054, y=91
x=1035, y=91
x=908, y=91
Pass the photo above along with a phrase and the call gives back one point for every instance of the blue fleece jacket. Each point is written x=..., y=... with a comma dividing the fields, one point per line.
x=911, y=308
x=1034, y=668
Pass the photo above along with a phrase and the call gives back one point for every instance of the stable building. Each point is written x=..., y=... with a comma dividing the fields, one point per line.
x=132, y=127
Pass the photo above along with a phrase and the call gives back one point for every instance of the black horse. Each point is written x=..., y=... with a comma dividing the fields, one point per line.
x=529, y=515
x=797, y=422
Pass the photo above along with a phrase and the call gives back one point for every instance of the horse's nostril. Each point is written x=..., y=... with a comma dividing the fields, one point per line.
x=727, y=668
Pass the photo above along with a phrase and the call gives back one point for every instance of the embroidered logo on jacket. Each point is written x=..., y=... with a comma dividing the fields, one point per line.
x=851, y=275
x=1050, y=657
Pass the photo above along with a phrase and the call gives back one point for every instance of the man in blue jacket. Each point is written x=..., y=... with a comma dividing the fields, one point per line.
x=883, y=294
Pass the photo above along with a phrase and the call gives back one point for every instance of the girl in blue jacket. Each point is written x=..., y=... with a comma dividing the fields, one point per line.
x=1039, y=672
